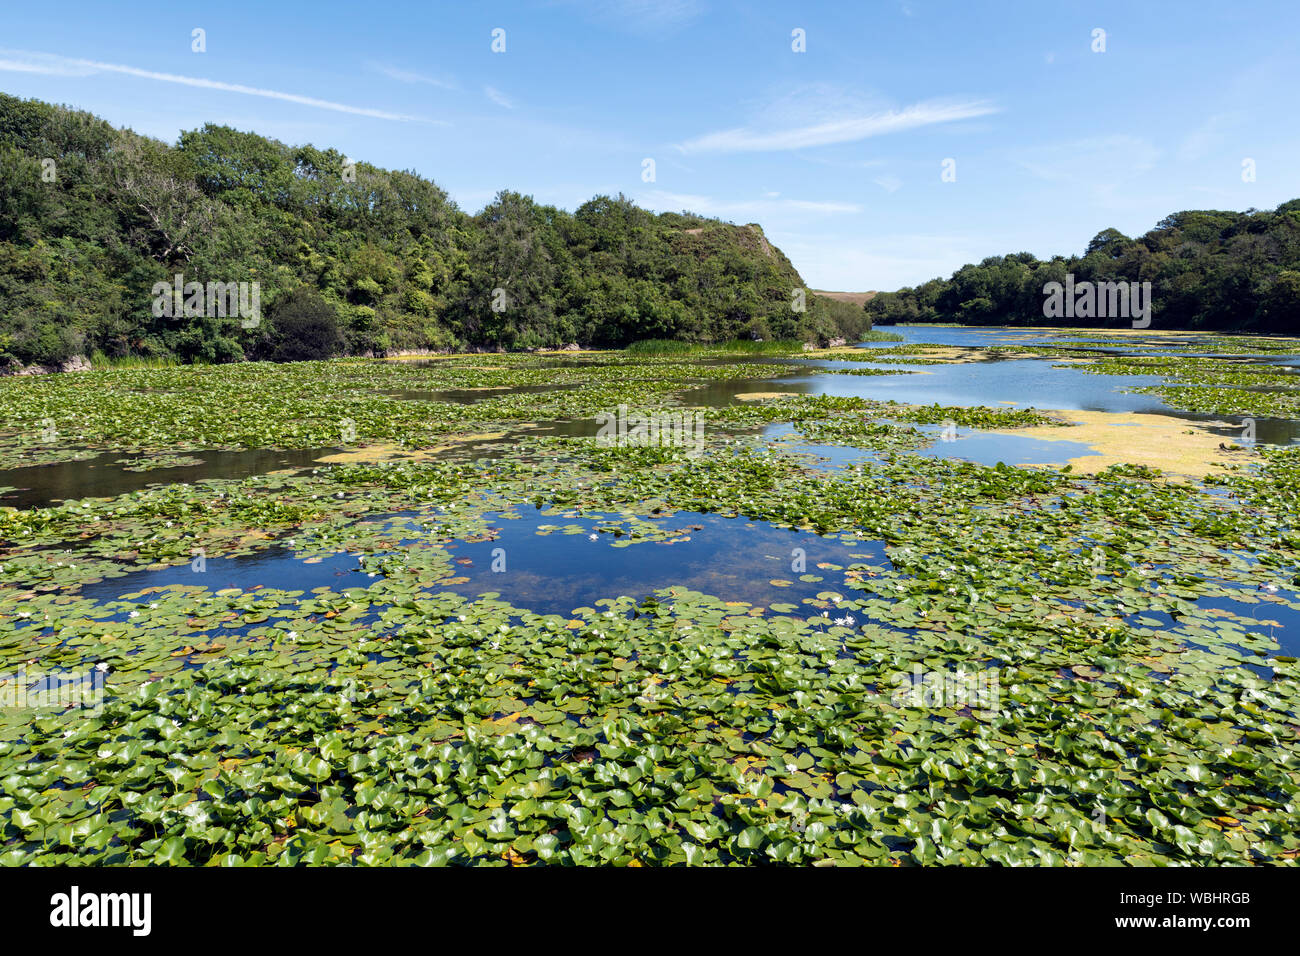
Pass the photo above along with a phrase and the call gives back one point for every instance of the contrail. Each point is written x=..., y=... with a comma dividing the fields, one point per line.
x=50, y=63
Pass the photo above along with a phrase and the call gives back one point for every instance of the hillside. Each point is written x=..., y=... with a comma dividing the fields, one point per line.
x=345, y=257
x=1208, y=269
x=858, y=299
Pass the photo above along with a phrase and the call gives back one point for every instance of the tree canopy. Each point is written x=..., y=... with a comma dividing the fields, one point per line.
x=92, y=217
x=1228, y=271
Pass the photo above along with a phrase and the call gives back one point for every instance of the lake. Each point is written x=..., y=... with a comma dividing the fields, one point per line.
x=931, y=600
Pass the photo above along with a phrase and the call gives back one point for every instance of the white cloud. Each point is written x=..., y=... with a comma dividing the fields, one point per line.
x=43, y=63
x=841, y=163
x=1100, y=164
x=51, y=64
x=499, y=98
x=410, y=76
x=890, y=184
x=639, y=16
x=845, y=129
x=709, y=206
x=1210, y=135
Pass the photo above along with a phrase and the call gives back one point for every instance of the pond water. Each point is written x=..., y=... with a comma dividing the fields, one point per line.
x=1007, y=381
x=553, y=572
x=755, y=669
x=1019, y=383
x=555, y=563
x=984, y=448
x=103, y=476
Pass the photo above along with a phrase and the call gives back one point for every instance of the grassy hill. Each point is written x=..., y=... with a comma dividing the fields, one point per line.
x=858, y=299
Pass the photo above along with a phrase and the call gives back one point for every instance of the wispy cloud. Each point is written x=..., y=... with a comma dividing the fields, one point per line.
x=23, y=61
x=1105, y=170
x=639, y=16
x=709, y=206
x=1100, y=161
x=846, y=129
x=1210, y=135
x=43, y=63
x=499, y=98
x=890, y=184
x=841, y=163
x=410, y=76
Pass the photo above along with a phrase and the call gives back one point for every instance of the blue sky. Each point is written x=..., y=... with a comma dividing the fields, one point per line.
x=837, y=151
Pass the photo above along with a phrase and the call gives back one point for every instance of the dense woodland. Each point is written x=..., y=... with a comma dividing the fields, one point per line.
x=349, y=258
x=1229, y=271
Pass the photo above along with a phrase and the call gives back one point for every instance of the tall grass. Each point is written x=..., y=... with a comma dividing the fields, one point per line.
x=739, y=346
x=734, y=347
x=875, y=336
x=99, y=360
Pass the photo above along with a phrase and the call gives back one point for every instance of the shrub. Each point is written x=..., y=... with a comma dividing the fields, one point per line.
x=303, y=327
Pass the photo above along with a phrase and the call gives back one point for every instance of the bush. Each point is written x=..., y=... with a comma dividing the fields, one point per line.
x=303, y=327
x=39, y=339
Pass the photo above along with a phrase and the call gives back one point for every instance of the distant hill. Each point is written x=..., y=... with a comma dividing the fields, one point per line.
x=346, y=256
x=1208, y=269
x=854, y=298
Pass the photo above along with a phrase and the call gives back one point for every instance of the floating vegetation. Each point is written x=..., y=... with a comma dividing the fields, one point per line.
x=733, y=347
x=154, y=462
x=908, y=660
x=1214, y=385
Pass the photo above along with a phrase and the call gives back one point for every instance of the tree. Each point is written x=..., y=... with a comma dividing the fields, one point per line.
x=303, y=327
x=171, y=213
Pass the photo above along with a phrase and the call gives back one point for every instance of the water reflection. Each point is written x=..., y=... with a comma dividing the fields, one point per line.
x=553, y=573
x=103, y=477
